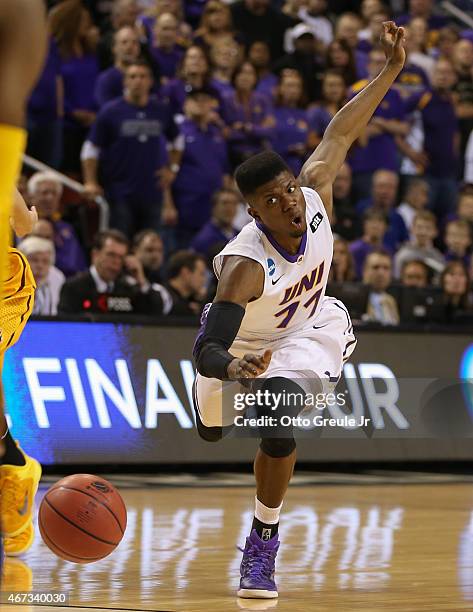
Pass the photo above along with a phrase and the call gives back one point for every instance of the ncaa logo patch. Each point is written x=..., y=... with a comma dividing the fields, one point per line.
x=316, y=221
x=271, y=267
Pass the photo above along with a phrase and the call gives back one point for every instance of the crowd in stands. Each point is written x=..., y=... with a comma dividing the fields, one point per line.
x=153, y=103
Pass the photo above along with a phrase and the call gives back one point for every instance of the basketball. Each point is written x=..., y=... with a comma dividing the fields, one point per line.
x=82, y=518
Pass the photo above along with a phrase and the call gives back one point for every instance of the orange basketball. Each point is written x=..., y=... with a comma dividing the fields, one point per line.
x=82, y=518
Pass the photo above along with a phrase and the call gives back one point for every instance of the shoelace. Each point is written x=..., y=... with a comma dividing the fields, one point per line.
x=12, y=494
x=258, y=561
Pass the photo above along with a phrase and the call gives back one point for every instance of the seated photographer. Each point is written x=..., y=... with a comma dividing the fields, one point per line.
x=114, y=284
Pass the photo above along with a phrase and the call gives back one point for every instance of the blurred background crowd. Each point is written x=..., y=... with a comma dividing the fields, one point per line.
x=151, y=104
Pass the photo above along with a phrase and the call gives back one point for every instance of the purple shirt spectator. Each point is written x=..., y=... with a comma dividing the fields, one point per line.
x=203, y=166
x=396, y=233
x=80, y=75
x=109, y=85
x=246, y=143
x=380, y=151
x=291, y=132
x=360, y=251
x=318, y=118
x=440, y=128
x=167, y=60
x=43, y=103
x=267, y=85
x=132, y=147
x=210, y=239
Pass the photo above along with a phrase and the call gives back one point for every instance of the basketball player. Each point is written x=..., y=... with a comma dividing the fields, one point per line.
x=19, y=473
x=22, y=47
x=270, y=315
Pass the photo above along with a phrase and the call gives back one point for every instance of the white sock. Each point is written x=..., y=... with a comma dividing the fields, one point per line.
x=268, y=516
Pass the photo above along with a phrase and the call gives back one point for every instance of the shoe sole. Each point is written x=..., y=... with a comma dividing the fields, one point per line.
x=37, y=476
x=257, y=594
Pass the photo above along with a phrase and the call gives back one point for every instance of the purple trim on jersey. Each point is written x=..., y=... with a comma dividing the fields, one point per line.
x=280, y=249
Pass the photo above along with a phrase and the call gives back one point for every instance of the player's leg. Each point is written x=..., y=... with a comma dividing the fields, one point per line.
x=19, y=473
x=22, y=46
x=273, y=468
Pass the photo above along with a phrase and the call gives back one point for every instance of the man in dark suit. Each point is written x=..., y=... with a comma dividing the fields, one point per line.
x=114, y=284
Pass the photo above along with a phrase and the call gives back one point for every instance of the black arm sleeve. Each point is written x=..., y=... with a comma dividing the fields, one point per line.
x=216, y=337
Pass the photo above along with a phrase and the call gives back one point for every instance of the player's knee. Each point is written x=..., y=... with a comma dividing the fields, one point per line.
x=278, y=447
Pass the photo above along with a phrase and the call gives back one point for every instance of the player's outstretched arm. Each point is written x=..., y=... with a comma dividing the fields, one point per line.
x=23, y=219
x=241, y=280
x=322, y=167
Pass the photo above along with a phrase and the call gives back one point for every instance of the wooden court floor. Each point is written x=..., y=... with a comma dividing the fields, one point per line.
x=371, y=548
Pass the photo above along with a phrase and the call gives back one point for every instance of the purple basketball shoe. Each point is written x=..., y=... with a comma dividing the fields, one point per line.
x=257, y=568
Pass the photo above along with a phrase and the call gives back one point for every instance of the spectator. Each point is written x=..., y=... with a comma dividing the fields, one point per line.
x=333, y=98
x=340, y=57
x=455, y=285
x=254, y=18
x=45, y=112
x=260, y=57
x=314, y=14
x=193, y=74
x=343, y=265
x=45, y=193
x=440, y=138
x=187, y=283
x=225, y=57
x=291, y=132
x=444, y=47
x=458, y=241
x=76, y=38
x=415, y=200
x=127, y=144
x=424, y=9
x=204, y=166
x=148, y=19
x=383, y=198
x=165, y=50
x=416, y=45
x=415, y=274
x=347, y=28
x=374, y=229
x=465, y=206
x=126, y=49
x=375, y=27
x=248, y=115
x=421, y=246
x=104, y=288
x=303, y=59
x=124, y=14
x=49, y=280
x=345, y=222
x=149, y=249
x=44, y=229
x=216, y=23
x=215, y=234
x=377, y=145
x=382, y=307
x=463, y=91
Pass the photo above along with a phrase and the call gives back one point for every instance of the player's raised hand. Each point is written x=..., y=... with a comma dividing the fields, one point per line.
x=392, y=40
x=250, y=366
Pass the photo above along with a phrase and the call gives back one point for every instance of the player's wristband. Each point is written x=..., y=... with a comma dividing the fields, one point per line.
x=211, y=348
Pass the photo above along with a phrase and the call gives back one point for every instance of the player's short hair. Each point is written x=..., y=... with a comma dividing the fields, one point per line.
x=258, y=170
x=112, y=234
x=183, y=259
x=44, y=177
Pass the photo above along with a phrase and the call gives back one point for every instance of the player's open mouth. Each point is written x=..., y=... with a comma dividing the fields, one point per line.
x=297, y=221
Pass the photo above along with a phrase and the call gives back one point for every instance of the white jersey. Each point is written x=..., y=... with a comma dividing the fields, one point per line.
x=294, y=285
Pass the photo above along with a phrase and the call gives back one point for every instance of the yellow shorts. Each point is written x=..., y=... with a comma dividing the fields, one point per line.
x=17, y=301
